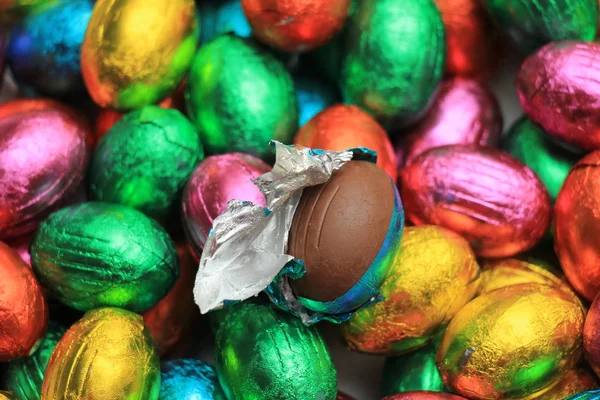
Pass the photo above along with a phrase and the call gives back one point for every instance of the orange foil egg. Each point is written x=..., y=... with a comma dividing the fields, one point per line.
x=494, y=201
x=342, y=127
x=23, y=309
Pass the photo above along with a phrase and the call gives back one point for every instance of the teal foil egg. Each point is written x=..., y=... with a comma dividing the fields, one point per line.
x=97, y=254
x=313, y=97
x=222, y=16
x=589, y=395
x=189, y=379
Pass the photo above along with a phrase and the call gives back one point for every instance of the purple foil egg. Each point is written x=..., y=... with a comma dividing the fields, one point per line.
x=464, y=112
x=216, y=181
x=559, y=89
x=43, y=160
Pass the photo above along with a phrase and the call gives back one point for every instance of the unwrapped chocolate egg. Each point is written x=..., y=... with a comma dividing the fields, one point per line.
x=591, y=336
x=24, y=312
x=341, y=127
x=589, y=395
x=107, y=354
x=512, y=343
x=395, y=58
x=297, y=26
x=189, y=379
x=216, y=181
x=464, y=112
x=313, y=97
x=423, y=395
x=432, y=277
x=236, y=111
x=136, y=52
x=575, y=381
x=533, y=25
x=557, y=90
x=497, y=203
x=99, y=254
x=576, y=225
x=145, y=160
x=43, y=157
x=222, y=16
x=263, y=353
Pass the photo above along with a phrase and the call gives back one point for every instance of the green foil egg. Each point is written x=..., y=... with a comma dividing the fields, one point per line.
x=531, y=24
x=240, y=97
x=97, y=254
x=527, y=142
x=395, y=58
x=265, y=354
x=145, y=160
x=24, y=376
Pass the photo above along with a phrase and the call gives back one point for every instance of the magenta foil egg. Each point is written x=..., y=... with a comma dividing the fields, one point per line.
x=43, y=159
x=559, y=89
x=216, y=181
x=464, y=112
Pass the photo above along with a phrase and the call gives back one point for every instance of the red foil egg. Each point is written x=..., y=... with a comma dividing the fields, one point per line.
x=464, y=112
x=214, y=183
x=295, y=26
x=23, y=309
x=591, y=336
x=559, y=89
x=342, y=127
x=494, y=201
x=43, y=158
x=423, y=395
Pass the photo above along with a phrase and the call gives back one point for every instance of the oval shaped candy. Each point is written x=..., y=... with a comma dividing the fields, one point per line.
x=575, y=381
x=313, y=97
x=106, y=355
x=99, y=254
x=189, y=379
x=218, y=17
x=495, y=202
x=4, y=395
x=591, y=336
x=589, y=395
x=423, y=395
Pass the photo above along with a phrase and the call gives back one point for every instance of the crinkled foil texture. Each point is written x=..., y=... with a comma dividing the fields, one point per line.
x=189, y=379
x=423, y=395
x=589, y=395
x=575, y=381
x=591, y=336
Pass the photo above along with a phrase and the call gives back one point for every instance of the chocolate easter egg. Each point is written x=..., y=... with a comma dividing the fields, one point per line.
x=4, y=395
x=222, y=16
x=189, y=379
x=591, y=336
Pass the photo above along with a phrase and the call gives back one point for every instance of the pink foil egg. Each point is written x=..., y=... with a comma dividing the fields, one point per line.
x=216, y=181
x=494, y=201
x=43, y=158
x=464, y=112
x=559, y=89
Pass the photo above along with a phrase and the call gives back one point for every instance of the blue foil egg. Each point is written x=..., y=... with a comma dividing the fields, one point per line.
x=221, y=16
x=44, y=49
x=589, y=395
x=313, y=96
x=189, y=379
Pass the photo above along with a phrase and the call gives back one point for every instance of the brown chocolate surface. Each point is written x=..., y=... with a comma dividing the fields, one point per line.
x=338, y=229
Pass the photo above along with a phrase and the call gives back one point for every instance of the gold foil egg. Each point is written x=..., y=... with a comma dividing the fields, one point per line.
x=434, y=275
x=106, y=355
x=136, y=52
x=512, y=343
x=7, y=395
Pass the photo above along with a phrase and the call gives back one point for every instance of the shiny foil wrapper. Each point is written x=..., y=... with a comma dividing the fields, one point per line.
x=218, y=17
x=214, y=183
x=152, y=44
x=423, y=395
x=4, y=395
x=557, y=88
x=589, y=395
x=494, y=201
x=512, y=343
x=184, y=379
x=576, y=219
x=591, y=336
x=106, y=355
x=575, y=381
x=464, y=112
x=24, y=312
x=343, y=396
x=432, y=277
x=297, y=26
x=313, y=97
x=21, y=246
x=342, y=127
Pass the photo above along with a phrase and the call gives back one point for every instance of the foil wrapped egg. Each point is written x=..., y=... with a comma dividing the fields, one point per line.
x=591, y=336
x=240, y=112
x=549, y=21
x=497, y=203
x=45, y=47
x=21, y=246
x=4, y=395
x=589, y=395
x=313, y=97
x=575, y=381
x=43, y=158
x=556, y=89
x=267, y=354
x=99, y=254
x=136, y=52
x=464, y=112
x=298, y=26
x=189, y=379
x=512, y=343
x=423, y=395
x=341, y=127
x=11, y=10
x=575, y=226
x=24, y=312
x=107, y=354
x=145, y=160
x=216, y=181
x=222, y=16
x=395, y=58
x=432, y=277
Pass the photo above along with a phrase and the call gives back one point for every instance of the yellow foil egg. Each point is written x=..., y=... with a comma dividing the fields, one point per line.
x=106, y=355
x=512, y=343
x=136, y=52
x=7, y=395
x=434, y=275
